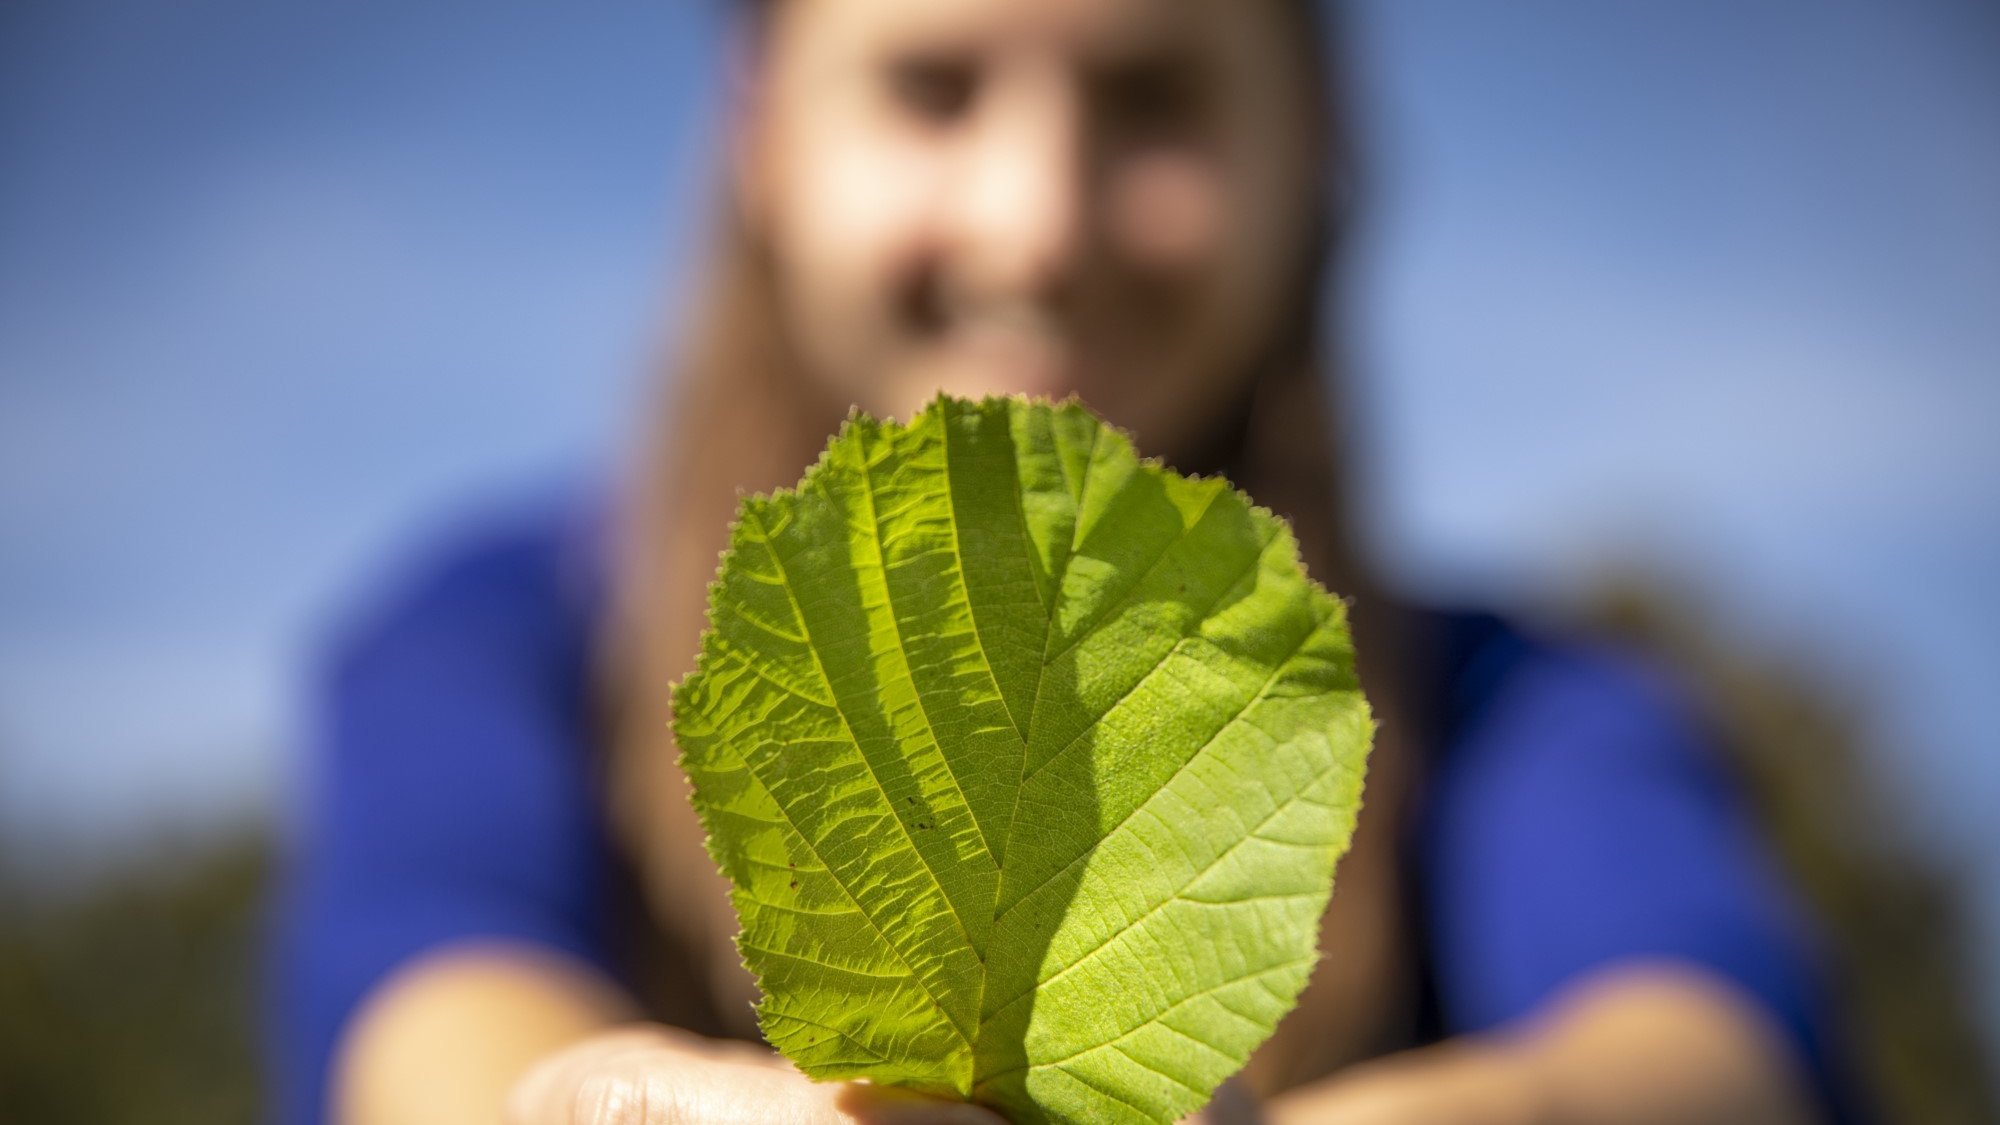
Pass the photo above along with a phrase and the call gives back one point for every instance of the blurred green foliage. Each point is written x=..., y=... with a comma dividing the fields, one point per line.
x=130, y=995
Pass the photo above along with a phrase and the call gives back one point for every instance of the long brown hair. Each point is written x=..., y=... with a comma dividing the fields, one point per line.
x=742, y=417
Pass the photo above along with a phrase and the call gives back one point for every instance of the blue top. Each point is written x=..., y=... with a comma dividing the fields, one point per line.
x=1575, y=812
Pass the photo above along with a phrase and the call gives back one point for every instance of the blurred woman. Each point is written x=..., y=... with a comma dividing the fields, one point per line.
x=1555, y=909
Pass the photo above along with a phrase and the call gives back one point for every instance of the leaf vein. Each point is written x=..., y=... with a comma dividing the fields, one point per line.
x=1276, y=811
x=790, y=593
x=902, y=651
x=1129, y=692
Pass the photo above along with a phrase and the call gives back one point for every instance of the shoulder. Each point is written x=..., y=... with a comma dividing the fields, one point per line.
x=1518, y=700
x=465, y=668
x=450, y=796
x=515, y=586
x=1576, y=771
x=1582, y=811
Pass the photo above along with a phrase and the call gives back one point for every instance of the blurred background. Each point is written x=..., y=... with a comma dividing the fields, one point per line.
x=1683, y=318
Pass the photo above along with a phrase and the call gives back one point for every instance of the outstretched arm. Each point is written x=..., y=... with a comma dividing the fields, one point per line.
x=479, y=1034
x=442, y=1041
x=1634, y=1045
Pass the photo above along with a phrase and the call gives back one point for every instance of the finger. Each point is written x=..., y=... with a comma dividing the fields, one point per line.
x=659, y=1076
x=612, y=1077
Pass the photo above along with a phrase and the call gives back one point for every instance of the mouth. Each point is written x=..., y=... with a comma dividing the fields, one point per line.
x=1011, y=347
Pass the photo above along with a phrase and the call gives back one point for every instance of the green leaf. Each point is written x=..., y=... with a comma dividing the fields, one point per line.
x=1028, y=761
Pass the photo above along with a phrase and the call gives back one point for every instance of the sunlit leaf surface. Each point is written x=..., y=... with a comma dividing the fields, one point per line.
x=1028, y=760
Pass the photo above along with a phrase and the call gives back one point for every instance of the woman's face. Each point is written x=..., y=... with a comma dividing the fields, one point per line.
x=1105, y=197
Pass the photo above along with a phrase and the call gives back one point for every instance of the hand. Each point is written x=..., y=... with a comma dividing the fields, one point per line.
x=1454, y=1084
x=1459, y=1082
x=652, y=1075
x=1631, y=1044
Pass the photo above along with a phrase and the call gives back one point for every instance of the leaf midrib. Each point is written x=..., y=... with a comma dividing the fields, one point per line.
x=1041, y=672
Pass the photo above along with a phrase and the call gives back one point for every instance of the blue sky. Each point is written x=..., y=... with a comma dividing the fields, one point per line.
x=1711, y=288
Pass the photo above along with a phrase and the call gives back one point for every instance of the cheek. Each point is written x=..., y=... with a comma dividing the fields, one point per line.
x=1190, y=228
x=850, y=227
x=1204, y=238
x=1167, y=213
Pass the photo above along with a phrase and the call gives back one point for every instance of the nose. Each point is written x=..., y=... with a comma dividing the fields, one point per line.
x=1022, y=204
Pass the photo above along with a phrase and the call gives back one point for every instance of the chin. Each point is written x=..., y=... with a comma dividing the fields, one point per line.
x=1049, y=380
x=907, y=392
